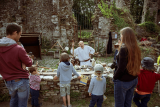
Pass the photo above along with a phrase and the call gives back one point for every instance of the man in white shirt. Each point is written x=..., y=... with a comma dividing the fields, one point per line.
x=83, y=52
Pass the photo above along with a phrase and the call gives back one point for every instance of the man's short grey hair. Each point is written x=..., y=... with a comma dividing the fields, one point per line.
x=80, y=42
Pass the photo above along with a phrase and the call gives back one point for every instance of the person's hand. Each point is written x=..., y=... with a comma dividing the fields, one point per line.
x=23, y=66
x=89, y=94
x=55, y=78
x=37, y=73
x=79, y=77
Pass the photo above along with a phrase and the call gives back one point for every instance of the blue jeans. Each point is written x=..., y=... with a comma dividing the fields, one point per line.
x=123, y=92
x=19, y=92
x=141, y=100
x=34, y=95
x=96, y=99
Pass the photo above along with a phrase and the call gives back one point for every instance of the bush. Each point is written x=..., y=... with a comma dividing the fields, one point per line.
x=84, y=35
x=46, y=43
x=150, y=27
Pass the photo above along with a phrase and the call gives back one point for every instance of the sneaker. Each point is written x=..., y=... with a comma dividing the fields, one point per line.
x=70, y=105
x=64, y=106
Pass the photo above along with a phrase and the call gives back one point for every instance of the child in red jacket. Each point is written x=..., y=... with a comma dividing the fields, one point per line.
x=146, y=82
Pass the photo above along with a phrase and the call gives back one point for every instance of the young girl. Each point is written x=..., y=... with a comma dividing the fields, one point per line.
x=146, y=82
x=97, y=87
x=127, y=70
x=34, y=86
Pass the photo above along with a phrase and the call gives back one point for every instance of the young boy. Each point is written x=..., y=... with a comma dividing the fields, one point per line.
x=146, y=82
x=97, y=87
x=64, y=73
x=34, y=86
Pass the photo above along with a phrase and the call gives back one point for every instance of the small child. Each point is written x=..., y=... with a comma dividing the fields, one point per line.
x=146, y=82
x=64, y=72
x=34, y=86
x=97, y=87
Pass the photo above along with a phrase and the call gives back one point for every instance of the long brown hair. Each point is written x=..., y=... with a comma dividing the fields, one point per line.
x=134, y=52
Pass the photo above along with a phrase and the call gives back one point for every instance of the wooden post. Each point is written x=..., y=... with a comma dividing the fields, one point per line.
x=98, y=44
x=80, y=33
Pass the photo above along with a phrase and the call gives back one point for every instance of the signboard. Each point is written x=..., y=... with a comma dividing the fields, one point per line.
x=84, y=79
x=104, y=97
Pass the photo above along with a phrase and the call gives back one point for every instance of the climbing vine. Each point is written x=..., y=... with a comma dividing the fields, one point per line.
x=121, y=18
x=149, y=17
x=105, y=9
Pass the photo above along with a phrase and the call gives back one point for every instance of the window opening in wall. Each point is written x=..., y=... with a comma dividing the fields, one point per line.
x=62, y=21
x=159, y=12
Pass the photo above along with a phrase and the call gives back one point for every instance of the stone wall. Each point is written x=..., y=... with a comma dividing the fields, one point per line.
x=52, y=18
x=49, y=88
x=101, y=28
x=153, y=6
x=123, y=4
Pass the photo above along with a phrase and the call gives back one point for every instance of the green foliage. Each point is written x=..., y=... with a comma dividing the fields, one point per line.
x=84, y=35
x=148, y=17
x=122, y=18
x=105, y=9
x=136, y=9
x=83, y=11
x=101, y=49
x=119, y=22
x=46, y=44
x=146, y=51
x=150, y=27
x=4, y=97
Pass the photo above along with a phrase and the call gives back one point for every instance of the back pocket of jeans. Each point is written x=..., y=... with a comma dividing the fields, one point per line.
x=23, y=87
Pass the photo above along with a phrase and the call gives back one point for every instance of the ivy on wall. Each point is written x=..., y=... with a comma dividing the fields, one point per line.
x=149, y=17
x=150, y=27
x=121, y=18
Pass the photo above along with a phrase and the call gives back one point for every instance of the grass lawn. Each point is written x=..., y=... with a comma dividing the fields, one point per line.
x=109, y=102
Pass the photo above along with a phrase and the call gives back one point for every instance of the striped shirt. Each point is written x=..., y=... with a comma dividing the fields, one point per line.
x=35, y=82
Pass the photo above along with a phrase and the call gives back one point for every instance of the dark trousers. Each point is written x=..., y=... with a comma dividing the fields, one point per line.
x=34, y=99
x=96, y=99
x=123, y=92
x=141, y=100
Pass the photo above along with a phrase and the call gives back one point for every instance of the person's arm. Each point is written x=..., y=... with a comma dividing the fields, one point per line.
x=122, y=63
x=75, y=73
x=37, y=78
x=91, y=50
x=104, y=88
x=157, y=77
x=58, y=71
x=91, y=87
x=24, y=57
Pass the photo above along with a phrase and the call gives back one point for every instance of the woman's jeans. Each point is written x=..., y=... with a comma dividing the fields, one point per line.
x=141, y=100
x=96, y=99
x=19, y=92
x=34, y=95
x=123, y=92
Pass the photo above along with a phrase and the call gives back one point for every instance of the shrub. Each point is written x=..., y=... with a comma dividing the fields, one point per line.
x=150, y=27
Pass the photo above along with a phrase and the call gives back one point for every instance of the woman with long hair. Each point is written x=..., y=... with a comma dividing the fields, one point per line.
x=128, y=67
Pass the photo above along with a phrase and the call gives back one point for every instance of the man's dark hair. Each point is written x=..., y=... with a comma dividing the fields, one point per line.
x=12, y=27
x=64, y=57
